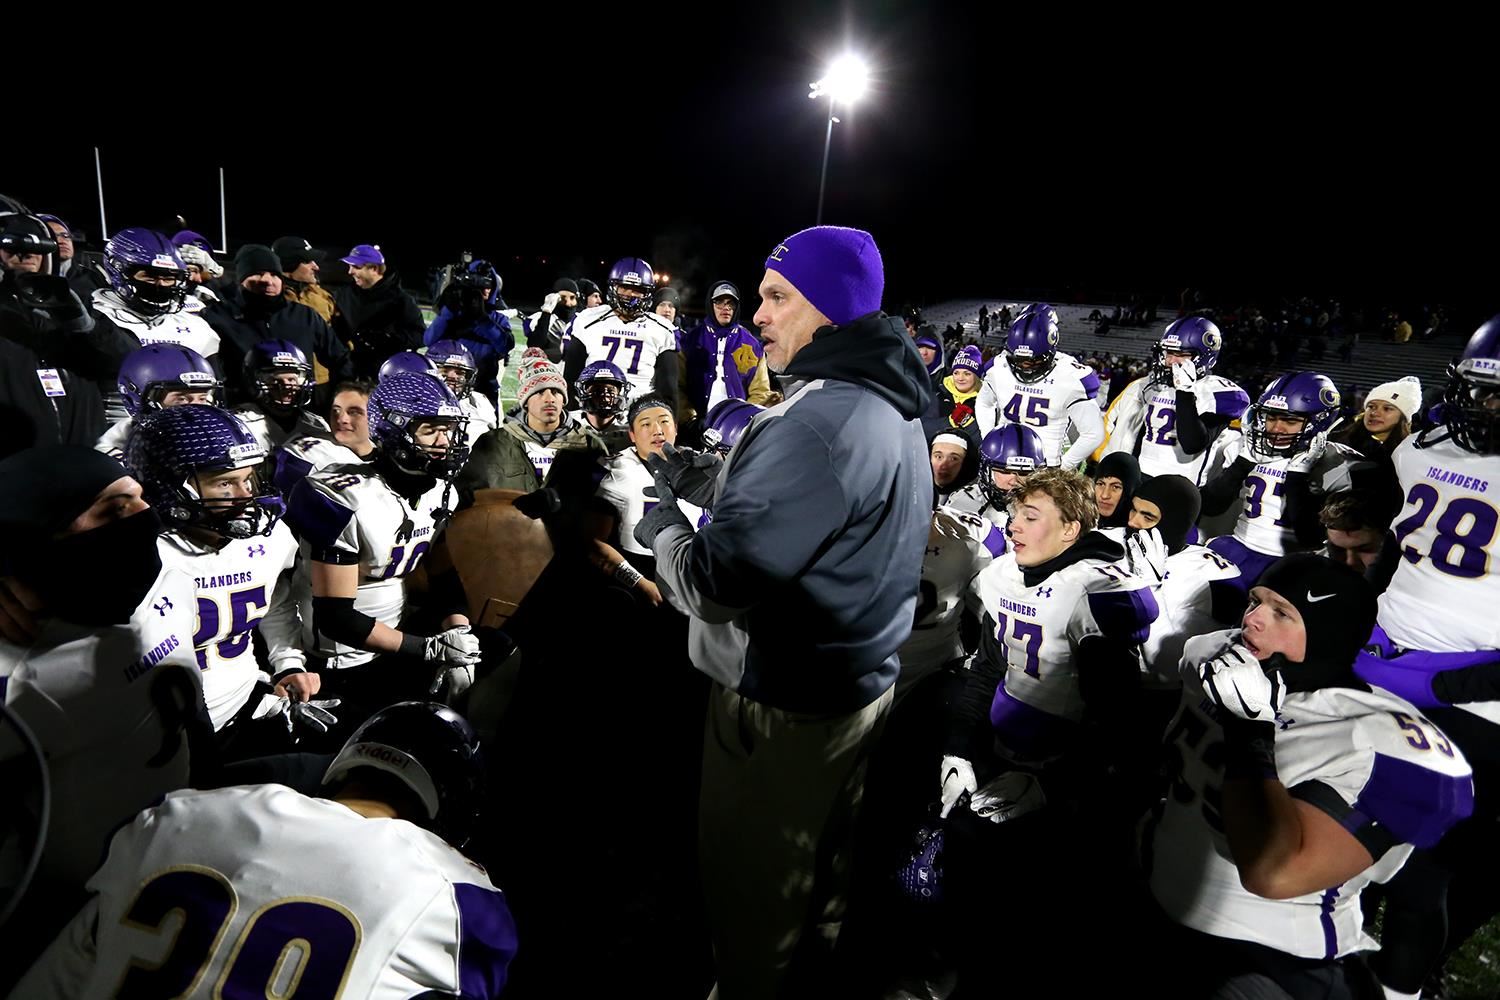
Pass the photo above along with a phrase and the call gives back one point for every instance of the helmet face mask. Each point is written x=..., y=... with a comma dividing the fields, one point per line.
x=1195, y=336
x=405, y=412
x=1012, y=449
x=281, y=377
x=146, y=271
x=1031, y=346
x=632, y=287
x=455, y=365
x=602, y=390
x=1306, y=396
x=200, y=467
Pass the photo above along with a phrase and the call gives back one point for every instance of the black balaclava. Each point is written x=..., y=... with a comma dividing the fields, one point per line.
x=1179, y=502
x=1123, y=466
x=97, y=577
x=1338, y=609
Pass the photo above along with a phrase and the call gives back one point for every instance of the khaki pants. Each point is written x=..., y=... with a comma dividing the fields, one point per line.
x=775, y=823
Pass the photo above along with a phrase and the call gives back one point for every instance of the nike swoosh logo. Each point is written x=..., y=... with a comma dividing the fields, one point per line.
x=1314, y=600
x=1248, y=714
x=951, y=772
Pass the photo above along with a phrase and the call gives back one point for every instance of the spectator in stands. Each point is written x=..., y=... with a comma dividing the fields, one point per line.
x=1400, y=329
x=1386, y=419
x=376, y=316
x=254, y=310
x=299, y=269
x=545, y=327
x=721, y=359
x=956, y=392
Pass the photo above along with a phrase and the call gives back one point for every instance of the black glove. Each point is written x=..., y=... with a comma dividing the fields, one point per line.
x=691, y=473
x=665, y=514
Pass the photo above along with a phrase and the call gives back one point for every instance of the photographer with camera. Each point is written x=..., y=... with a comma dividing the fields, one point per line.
x=375, y=316
x=50, y=346
x=469, y=308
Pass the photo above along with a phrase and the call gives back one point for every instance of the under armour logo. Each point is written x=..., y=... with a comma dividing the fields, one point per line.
x=163, y=607
x=256, y=550
x=1282, y=723
x=1044, y=591
x=780, y=249
x=934, y=552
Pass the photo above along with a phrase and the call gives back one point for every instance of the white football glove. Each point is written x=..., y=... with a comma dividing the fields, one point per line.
x=1007, y=796
x=1306, y=461
x=957, y=777
x=1184, y=376
x=456, y=654
x=192, y=254
x=1239, y=685
x=549, y=304
x=1146, y=555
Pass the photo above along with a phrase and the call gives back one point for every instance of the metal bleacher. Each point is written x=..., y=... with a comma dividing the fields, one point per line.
x=1374, y=361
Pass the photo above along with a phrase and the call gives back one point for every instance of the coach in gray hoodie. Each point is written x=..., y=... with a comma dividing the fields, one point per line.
x=801, y=588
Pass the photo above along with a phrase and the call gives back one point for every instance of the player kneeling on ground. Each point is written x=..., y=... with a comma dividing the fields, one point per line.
x=1297, y=785
x=367, y=895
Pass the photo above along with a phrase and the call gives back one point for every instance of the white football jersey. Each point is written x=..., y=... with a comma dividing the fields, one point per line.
x=268, y=433
x=240, y=588
x=1445, y=596
x=181, y=327
x=481, y=414
x=624, y=485
x=301, y=456
x=1367, y=758
x=1160, y=451
x=1186, y=604
x=276, y=894
x=1043, y=405
x=348, y=513
x=959, y=546
x=1040, y=627
x=113, y=441
x=1260, y=526
x=85, y=692
x=632, y=346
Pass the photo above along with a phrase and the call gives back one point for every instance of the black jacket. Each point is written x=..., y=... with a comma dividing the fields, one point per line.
x=379, y=321
x=280, y=320
x=29, y=417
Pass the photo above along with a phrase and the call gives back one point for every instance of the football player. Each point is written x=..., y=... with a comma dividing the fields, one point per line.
x=1286, y=467
x=1177, y=420
x=348, y=421
x=626, y=332
x=1007, y=455
x=365, y=527
x=955, y=463
x=367, y=894
x=456, y=366
x=1044, y=389
x=959, y=546
x=157, y=377
x=199, y=466
x=603, y=396
x=148, y=288
x=628, y=483
x=281, y=385
x=1296, y=786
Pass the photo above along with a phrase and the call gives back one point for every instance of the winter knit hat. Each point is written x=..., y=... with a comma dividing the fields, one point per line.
x=1337, y=606
x=1405, y=394
x=835, y=268
x=970, y=358
x=537, y=373
x=255, y=258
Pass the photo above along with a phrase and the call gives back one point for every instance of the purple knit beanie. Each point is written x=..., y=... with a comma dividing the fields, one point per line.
x=835, y=268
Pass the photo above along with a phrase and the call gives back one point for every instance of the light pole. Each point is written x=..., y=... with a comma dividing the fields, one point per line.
x=845, y=81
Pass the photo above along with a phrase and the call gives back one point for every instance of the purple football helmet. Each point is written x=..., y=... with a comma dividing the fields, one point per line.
x=1195, y=335
x=1308, y=395
x=267, y=362
x=169, y=453
x=602, y=389
x=1471, y=401
x=133, y=250
x=631, y=273
x=408, y=363
x=455, y=365
x=726, y=424
x=149, y=373
x=401, y=402
x=1031, y=346
x=1014, y=449
x=1040, y=307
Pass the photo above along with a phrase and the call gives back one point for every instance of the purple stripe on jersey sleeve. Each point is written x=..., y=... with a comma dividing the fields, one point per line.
x=1125, y=615
x=1415, y=803
x=1230, y=402
x=1090, y=383
x=316, y=517
x=1325, y=917
x=486, y=941
x=994, y=541
x=289, y=470
x=1027, y=732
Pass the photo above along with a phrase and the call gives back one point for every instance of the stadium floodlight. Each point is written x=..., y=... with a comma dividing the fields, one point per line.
x=846, y=80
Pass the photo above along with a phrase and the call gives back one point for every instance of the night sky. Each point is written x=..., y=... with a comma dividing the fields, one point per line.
x=993, y=155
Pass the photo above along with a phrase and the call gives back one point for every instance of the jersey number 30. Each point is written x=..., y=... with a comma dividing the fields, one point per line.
x=299, y=944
